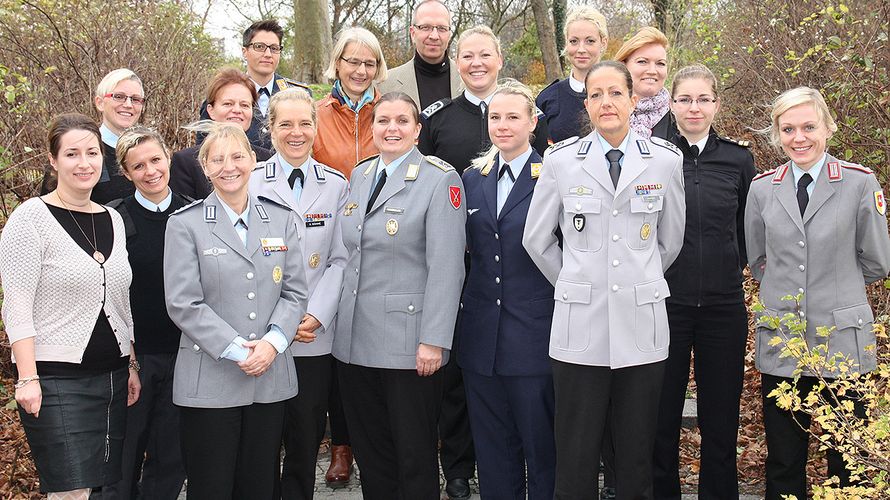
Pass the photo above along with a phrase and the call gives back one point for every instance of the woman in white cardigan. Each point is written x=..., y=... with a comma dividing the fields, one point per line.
x=66, y=279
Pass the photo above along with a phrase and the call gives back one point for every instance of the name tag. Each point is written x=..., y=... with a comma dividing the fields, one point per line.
x=315, y=223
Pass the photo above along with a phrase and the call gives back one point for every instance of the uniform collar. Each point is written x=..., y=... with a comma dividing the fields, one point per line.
x=475, y=101
x=517, y=163
x=108, y=137
x=287, y=168
x=608, y=147
x=150, y=205
x=267, y=86
x=392, y=166
x=233, y=217
x=576, y=85
x=814, y=171
x=702, y=143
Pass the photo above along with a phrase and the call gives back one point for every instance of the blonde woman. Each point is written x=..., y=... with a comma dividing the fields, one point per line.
x=504, y=327
x=562, y=102
x=645, y=55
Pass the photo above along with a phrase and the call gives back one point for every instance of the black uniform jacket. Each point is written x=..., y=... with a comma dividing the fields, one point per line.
x=456, y=131
x=708, y=270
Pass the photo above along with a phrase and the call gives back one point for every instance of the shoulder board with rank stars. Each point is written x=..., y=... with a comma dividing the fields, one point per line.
x=190, y=205
x=370, y=158
x=334, y=172
x=561, y=144
x=287, y=83
x=487, y=168
x=666, y=145
x=439, y=163
x=435, y=107
x=739, y=142
x=780, y=174
x=763, y=175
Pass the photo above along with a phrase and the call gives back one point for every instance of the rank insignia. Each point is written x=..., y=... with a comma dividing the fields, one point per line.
x=314, y=260
x=454, y=196
x=277, y=274
x=392, y=227
x=780, y=174
x=834, y=171
x=319, y=173
x=578, y=220
x=643, y=146
x=261, y=210
x=209, y=213
x=584, y=149
x=536, y=170
x=413, y=169
x=270, y=171
x=880, y=203
x=580, y=190
x=645, y=231
x=349, y=208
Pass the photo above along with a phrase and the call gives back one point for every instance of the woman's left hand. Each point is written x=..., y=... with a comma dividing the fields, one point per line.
x=429, y=359
x=134, y=387
x=262, y=353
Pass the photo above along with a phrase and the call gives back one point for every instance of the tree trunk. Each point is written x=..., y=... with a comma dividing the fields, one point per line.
x=312, y=40
x=559, y=22
x=546, y=34
x=661, y=9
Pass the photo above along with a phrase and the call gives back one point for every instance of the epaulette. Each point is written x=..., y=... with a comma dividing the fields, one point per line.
x=856, y=166
x=763, y=174
x=670, y=146
x=561, y=144
x=439, y=163
x=270, y=201
x=435, y=107
x=335, y=172
x=538, y=113
x=536, y=169
x=183, y=209
x=486, y=169
x=740, y=142
x=286, y=83
x=372, y=157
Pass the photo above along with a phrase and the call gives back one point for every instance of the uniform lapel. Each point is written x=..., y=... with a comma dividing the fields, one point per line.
x=258, y=227
x=523, y=186
x=821, y=193
x=595, y=164
x=396, y=183
x=633, y=165
x=788, y=198
x=490, y=187
x=365, y=184
x=311, y=189
x=222, y=227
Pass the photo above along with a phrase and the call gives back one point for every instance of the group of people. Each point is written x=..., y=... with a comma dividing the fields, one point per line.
x=441, y=286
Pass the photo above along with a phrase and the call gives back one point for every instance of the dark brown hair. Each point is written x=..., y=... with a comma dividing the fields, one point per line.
x=264, y=25
x=398, y=96
x=229, y=76
x=617, y=66
x=64, y=123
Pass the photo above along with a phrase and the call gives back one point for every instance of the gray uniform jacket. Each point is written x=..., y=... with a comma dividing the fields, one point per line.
x=406, y=263
x=616, y=244
x=829, y=255
x=318, y=228
x=404, y=79
x=217, y=290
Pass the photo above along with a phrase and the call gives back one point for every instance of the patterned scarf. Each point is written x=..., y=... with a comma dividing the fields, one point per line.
x=649, y=111
x=367, y=97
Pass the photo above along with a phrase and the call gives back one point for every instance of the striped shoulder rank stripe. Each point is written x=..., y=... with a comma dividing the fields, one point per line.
x=780, y=174
x=209, y=213
x=319, y=173
x=269, y=173
x=261, y=211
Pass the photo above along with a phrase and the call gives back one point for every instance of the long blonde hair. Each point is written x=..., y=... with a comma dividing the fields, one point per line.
x=508, y=86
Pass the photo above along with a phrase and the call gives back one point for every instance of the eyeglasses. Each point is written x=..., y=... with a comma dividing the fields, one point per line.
x=137, y=100
x=261, y=47
x=355, y=63
x=702, y=102
x=426, y=28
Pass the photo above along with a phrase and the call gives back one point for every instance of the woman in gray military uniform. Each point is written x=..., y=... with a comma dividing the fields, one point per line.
x=235, y=286
x=618, y=200
x=814, y=227
x=403, y=227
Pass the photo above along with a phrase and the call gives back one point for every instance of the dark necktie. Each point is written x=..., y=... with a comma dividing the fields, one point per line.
x=296, y=174
x=505, y=168
x=614, y=156
x=694, y=150
x=802, y=196
x=264, y=90
x=381, y=180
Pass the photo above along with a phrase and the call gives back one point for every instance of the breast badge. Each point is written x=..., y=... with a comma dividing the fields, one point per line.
x=579, y=222
x=645, y=231
x=392, y=227
x=277, y=274
x=349, y=208
x=314, y=260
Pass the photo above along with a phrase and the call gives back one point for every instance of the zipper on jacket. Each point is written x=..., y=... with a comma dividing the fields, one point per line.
x=357, y=145
x=699, y=215
x=108, y=419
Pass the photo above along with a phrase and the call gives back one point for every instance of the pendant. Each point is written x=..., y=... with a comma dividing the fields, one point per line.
x=97, y=255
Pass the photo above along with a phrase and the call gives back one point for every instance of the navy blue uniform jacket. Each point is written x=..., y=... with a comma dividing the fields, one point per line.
x=507, y=304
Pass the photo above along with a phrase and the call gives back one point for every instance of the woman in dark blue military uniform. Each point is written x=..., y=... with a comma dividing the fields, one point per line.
x=562, y=102
x=504, y=329
x=706, y=309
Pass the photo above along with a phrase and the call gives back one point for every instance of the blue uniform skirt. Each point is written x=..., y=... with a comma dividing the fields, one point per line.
x=77, y=441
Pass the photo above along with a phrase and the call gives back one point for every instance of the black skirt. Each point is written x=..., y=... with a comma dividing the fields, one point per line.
x=76, y=443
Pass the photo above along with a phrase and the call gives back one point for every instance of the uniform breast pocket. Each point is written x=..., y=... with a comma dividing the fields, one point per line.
x=582, y=224
x=651, y=319
x=642, y=222
x=572, y=318
x=402, y=322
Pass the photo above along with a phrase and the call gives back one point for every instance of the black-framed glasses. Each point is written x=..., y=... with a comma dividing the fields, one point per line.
x=701, y=101
x=355, y=63
x=261, y=47
x=137, y=100
x=427, y=28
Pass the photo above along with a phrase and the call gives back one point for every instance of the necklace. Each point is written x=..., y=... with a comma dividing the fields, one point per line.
x=97, y=255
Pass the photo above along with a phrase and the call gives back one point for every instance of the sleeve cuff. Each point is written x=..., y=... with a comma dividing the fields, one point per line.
x=236, y=351
x=276, y=337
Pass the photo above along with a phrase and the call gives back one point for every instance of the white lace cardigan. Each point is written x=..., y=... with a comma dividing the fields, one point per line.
x=53, y=290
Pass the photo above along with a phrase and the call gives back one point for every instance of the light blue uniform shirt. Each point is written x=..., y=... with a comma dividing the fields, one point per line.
x=108, y=137
x=504, y=183
x=608, y=147
x=150, y=205
x=814, y=172
x=389, y=168
x=287, y=168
